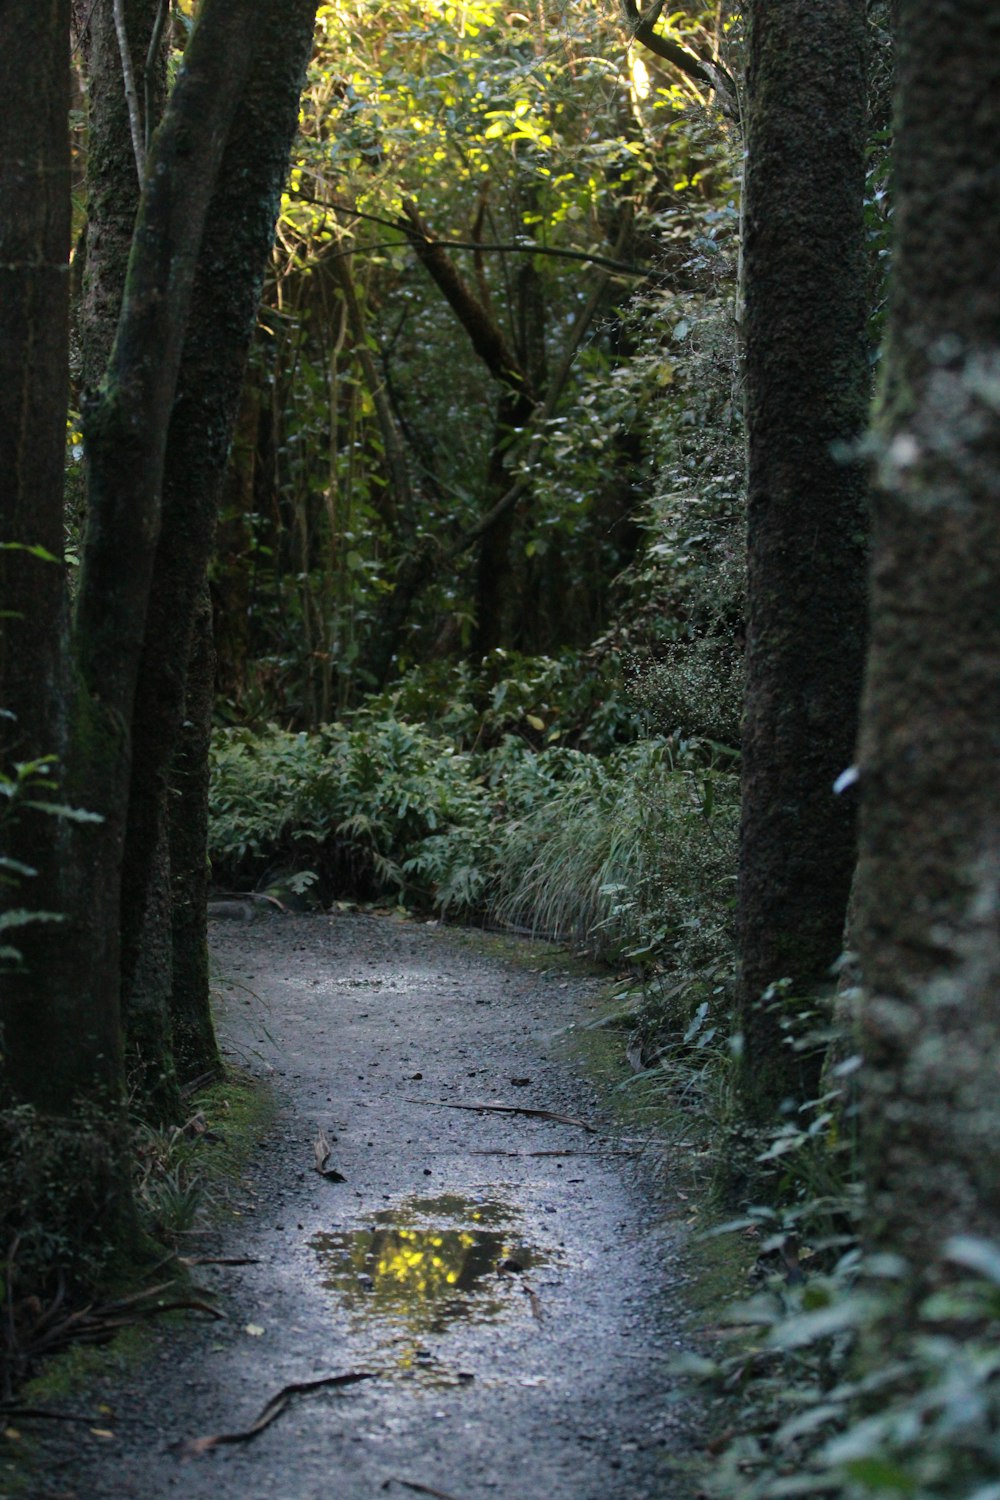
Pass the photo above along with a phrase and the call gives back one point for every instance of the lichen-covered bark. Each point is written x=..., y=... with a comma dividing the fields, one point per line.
x=232, y=260
x=929, y=874
x=112, y=178
x=806, y=395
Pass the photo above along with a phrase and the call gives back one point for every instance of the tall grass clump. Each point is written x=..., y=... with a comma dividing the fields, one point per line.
x=631, y=857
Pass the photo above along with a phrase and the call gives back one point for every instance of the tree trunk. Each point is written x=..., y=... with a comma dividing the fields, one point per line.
x=929, y=874
x=493, y=562
x=807, y=389
x=196, y=1052
x=62, y=1022
x=233, y=256
x=112, y=176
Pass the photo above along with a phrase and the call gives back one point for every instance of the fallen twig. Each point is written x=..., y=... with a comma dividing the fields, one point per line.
x=593, y=1155
x=186, y=1305
x=510, y=1109
x=219, y=1260
x=421, y=1489
x=195, y=1447
x=21, y=1413
x=535, y=1300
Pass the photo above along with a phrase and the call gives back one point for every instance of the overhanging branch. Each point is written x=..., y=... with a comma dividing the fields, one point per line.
x=709, y=72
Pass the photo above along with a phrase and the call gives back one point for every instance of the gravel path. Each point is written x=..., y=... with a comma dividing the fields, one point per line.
x=512, y=1281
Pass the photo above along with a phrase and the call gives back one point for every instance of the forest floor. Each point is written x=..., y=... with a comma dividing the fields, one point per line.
x=514, y=1284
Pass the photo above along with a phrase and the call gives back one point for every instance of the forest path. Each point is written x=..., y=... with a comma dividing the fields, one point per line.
x=545, y=1381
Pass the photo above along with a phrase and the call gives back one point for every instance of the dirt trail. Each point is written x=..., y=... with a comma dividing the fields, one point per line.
x=547, y=1379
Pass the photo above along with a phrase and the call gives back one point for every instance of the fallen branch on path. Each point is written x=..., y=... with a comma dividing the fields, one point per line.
x=510, y=1109
x=219, y=1260
x=195, y=1447
x=593, y=1155
x=535, y=1300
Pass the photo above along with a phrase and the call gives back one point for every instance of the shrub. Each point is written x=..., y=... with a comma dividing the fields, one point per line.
x=632, y=856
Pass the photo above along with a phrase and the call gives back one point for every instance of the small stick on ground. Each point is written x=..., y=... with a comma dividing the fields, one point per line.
x=23, y=1413
x=535, y=1300
x=510, y=1109
x=421, y=1489
x=195, y=1447
x=219, y=1260
x=593, y=1155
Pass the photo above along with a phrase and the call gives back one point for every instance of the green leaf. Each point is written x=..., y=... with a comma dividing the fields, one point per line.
x=851, y=1311
x=34, y=551
x=61, y=810
x=22, y=918
x=976, y=1254
x=882, y=1475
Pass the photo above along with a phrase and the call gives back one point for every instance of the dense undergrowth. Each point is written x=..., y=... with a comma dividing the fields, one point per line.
x=491, y=803
x=629, y=854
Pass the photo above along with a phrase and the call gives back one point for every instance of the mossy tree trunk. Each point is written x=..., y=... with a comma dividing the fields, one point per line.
x=113, y=184
x=929, y=873
x=238, y=237
x=806, y=399
x=62, y=1009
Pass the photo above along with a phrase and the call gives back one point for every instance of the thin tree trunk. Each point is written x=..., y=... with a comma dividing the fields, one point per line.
x=112, y=182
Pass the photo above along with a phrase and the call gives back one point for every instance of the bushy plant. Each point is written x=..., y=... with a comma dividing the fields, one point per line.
x=632, y=856
x=541, y=699
x=354, y=802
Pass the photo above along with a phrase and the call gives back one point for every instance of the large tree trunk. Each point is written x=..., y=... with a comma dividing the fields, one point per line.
x=61, y=1019
x=929, y=875
x=233, y=257
x=807, y=390
x=196, y=1052
x=50, y=1052
x=54, y=1049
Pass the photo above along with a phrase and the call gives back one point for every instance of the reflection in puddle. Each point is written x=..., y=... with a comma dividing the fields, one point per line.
x=428, y=1264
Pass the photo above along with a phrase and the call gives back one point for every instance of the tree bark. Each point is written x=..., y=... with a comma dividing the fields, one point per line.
x=62, y=1019
x=196, y=1052
x=237, y=239
x=929, y=873
x=47, y=1056
x=806, y=396
x=112, y=180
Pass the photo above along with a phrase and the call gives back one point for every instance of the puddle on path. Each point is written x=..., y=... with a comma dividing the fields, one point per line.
x=425, y=1267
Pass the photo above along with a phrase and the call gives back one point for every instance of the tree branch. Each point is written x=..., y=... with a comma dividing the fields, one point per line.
x=709, y=72
x=131, y=94
x=484, y=334
x=525, y=246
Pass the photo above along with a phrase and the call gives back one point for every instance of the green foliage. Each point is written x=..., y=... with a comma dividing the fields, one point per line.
x=632, y=857
x=569, y=700
x=169, y=1189
x=530, y=143
x=354, y=803
x=851, y=1391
